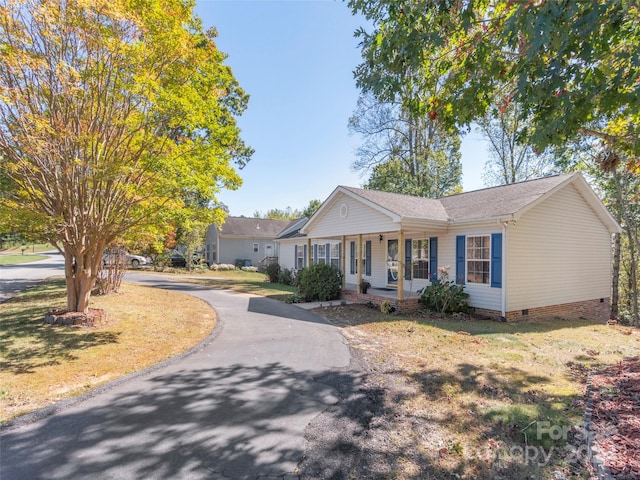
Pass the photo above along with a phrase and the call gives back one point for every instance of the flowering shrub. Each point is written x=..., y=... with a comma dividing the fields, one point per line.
x=249, y=269
x=444, y=296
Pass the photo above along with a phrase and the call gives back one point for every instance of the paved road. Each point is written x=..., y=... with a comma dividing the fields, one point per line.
x=235, y=408
x=14, y=278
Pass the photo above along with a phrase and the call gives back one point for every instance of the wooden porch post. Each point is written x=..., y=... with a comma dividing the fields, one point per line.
x=309, y=256
x=359, y=261
x=343, y=261
x=401, y=266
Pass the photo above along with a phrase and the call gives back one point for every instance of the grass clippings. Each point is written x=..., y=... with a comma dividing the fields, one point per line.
x=478, y=399
x=41, y=364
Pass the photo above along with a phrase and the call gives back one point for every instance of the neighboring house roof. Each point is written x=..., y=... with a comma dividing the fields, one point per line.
x=293, y=229
x=253, y=227
x=499, y=203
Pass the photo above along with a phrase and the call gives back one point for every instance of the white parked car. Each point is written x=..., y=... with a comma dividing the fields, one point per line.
x=112, y=256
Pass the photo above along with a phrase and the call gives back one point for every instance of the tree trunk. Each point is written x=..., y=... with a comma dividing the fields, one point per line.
x=615, y=278
x=81, y=270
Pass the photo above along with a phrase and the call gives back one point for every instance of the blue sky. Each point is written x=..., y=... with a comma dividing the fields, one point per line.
x=295, y=58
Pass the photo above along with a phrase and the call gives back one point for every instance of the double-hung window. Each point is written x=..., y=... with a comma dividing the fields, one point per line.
x=300, y=257
x=478, y=259
x=335, y=255
x=420, y=258
x=322, y=253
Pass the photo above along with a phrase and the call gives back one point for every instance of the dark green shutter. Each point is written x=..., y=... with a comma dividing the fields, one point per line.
x=496, y=260
x=353, y=258
x=433, y=258
x=407, y=259
x=367, y=255
x=460, y=255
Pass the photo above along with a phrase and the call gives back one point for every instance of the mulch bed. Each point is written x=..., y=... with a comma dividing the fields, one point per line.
x=615, y=419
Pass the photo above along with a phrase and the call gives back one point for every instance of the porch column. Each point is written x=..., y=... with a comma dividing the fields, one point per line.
x=309, y=255
x=359, y=261
x=401, y=265
x=343, y=261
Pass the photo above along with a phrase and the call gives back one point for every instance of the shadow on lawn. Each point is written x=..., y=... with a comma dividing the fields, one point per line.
x=27, y=343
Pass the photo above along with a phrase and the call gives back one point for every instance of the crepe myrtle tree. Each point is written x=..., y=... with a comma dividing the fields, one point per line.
x=113, y=114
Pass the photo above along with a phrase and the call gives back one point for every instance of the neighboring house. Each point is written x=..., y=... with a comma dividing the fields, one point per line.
x=531, y=249
x=248, y=239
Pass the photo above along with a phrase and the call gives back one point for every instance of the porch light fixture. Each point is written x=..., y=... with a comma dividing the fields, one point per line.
x=380, y=238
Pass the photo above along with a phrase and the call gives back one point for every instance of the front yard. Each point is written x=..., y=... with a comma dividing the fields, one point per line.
x=479, y=399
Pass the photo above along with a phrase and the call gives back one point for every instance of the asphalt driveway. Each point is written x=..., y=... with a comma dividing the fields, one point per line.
x=236, y=407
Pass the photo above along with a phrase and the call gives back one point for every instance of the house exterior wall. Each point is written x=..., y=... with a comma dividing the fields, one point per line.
x=562, y=230
x=211, y=244
x=480, y=295
x=358, y=218
x=286, y=257
x=231, y=249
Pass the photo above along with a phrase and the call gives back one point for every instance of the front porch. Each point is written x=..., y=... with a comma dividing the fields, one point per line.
x=377, y=296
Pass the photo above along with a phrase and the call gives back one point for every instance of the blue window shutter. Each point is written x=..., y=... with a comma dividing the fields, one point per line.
x=353, y=258
x=496, y=260
x=304, y=261
x=315, y=253
x=407, y=259
x=327, y=254
x=340, y=256
x=367, y=256
x=433, y=258
x=460, y=255
x=295, y=256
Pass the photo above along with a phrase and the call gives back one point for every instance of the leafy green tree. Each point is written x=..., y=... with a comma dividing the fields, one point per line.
x=404, y=152
x=113, y=115
x=312, y=208
x=566, y=63
x=277, y=214
x=288, y=213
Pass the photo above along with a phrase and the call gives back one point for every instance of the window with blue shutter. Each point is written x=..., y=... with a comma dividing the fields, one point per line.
x=295, y=256
x=496, y=260
x=327, y=254
x=353, y=257
x=460, y=250
x=304, y=261
x=367, y=257
x=315, y=253
x=433, y=258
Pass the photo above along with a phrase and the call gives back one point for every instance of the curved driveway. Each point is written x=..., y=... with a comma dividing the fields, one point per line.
x=235, y=408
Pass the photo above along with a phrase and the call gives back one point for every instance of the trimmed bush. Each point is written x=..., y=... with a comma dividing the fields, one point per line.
x=287, y=277
x=319, y=282
x=273, y=272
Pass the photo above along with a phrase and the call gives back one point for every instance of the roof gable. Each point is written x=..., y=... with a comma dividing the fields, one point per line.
x=496, y=203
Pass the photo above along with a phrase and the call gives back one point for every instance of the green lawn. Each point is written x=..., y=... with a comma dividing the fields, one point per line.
x=13, y=259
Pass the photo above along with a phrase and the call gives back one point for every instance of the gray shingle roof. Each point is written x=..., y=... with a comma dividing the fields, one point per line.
x=403, y=205
x=479, y=204
x=254, y=227
x=499, y=201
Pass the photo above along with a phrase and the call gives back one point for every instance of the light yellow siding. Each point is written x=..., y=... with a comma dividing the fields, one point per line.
x=359, y=218
x=559, y=252
x=480, y=295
